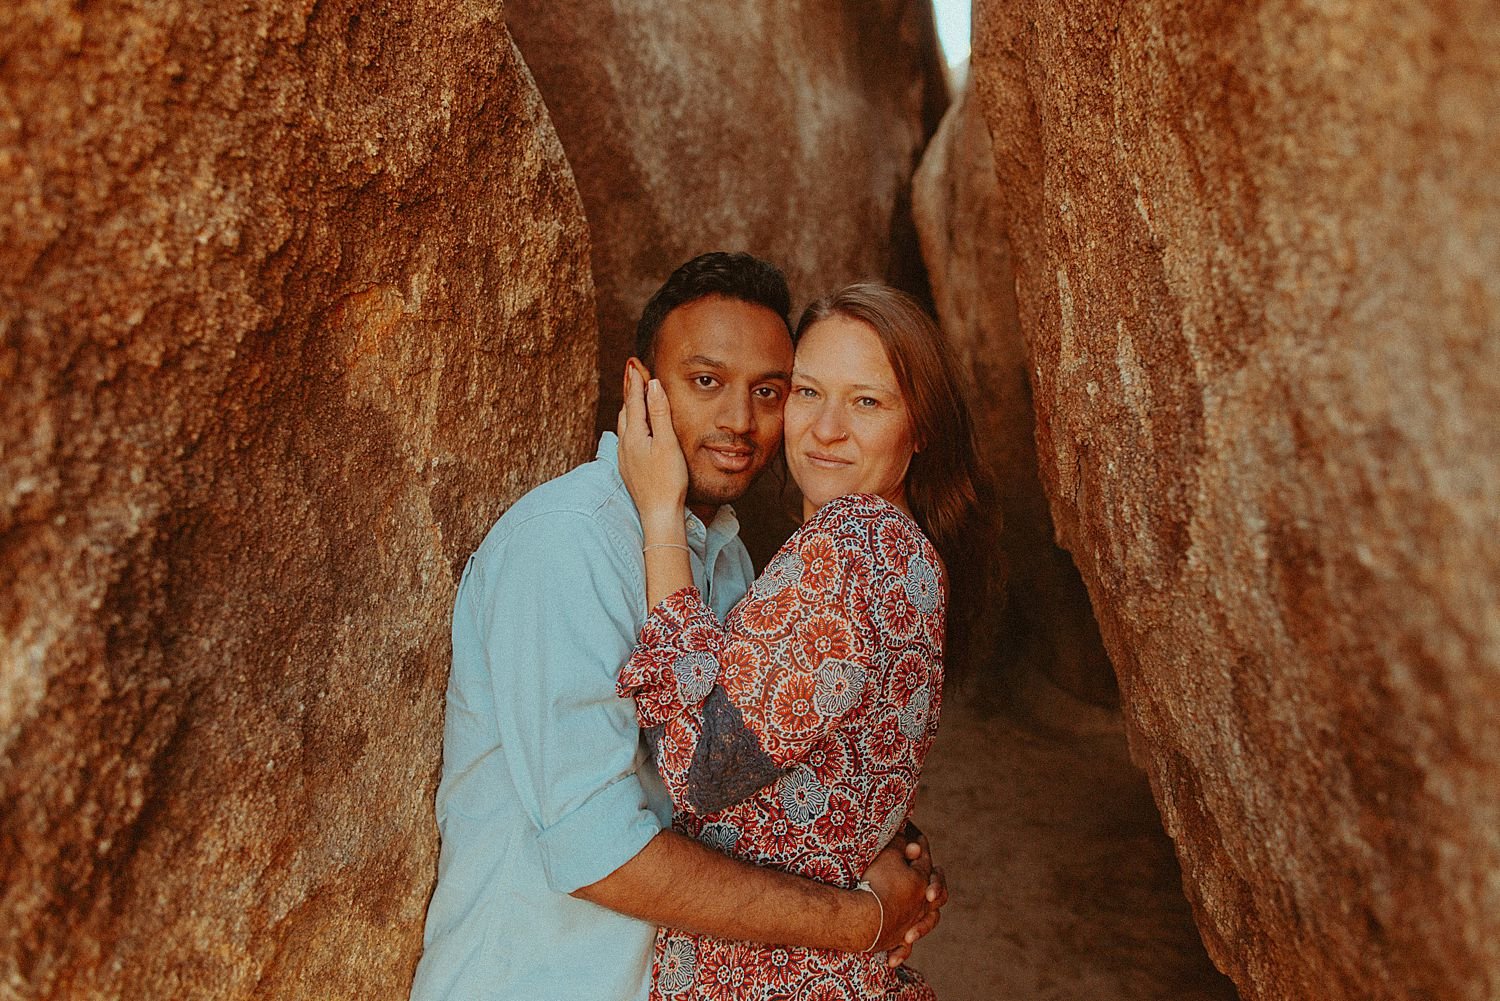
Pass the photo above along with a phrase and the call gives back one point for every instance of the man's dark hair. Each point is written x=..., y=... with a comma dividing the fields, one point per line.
x=729, y=276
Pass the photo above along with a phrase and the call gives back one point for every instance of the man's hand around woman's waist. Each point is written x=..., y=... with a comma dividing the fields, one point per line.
x=912, y=892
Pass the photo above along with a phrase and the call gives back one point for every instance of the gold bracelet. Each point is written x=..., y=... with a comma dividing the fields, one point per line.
x=864, y=884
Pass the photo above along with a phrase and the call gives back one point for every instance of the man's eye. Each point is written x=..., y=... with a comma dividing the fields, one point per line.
x=767, y=392
x=705, y=381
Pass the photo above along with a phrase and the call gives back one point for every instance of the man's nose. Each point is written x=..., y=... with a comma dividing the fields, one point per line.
x=737, y=414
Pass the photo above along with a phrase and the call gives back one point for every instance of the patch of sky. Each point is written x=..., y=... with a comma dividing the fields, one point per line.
x=953, y=28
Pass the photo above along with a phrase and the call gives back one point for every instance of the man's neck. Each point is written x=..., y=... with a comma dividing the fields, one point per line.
x=705, y=513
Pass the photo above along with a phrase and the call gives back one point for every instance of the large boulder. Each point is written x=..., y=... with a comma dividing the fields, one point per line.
x=787, y=130
x=1036, y=804
x=294, y=299
x=1259, y=277
x=1046, y=624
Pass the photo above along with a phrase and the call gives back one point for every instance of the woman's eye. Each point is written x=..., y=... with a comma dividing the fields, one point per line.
x=805, y=392
x=867, y=402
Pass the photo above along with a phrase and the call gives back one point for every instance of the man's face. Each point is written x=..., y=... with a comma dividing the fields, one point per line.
x=725, y=365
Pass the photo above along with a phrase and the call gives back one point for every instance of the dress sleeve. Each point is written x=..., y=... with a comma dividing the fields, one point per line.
x=730, y=706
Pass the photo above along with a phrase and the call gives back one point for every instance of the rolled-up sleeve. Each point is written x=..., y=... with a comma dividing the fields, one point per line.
x=598, y=837
x=556, y=624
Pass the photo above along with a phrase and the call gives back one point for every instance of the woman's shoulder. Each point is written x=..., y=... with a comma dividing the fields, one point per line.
x=857, y=509
x=867, y=522
x=863, y=542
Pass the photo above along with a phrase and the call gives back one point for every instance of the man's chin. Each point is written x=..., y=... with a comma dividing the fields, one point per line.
x=716, y=488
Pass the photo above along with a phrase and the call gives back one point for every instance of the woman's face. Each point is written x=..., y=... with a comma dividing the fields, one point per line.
x=848, y=428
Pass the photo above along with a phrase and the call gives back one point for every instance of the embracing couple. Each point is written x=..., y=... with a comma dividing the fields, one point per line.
x=756, y=843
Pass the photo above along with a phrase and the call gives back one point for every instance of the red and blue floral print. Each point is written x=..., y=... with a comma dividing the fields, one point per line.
x=793, y=734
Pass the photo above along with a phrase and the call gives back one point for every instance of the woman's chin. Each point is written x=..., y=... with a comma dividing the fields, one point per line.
x=815, y=495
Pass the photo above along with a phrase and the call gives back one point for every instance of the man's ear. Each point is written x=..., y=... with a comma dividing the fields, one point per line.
x=640, y=369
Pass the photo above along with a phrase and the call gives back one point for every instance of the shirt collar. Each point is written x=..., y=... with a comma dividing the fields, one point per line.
x=609, y=449
x=724, y=526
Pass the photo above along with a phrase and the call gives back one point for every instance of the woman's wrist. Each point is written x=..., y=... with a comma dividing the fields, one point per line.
x=663, y=525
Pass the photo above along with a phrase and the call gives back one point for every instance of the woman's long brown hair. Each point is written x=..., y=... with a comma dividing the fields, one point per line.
x=947, y=486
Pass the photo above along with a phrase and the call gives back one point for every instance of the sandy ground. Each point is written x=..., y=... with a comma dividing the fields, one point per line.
x=1063, y=885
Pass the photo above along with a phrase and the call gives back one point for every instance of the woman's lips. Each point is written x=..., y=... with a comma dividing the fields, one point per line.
x=822, y=461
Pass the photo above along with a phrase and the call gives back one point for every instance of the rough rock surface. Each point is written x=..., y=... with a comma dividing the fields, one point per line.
x=1257, y=252
x=788, y=130
x=293, y=300
x=1046, y=624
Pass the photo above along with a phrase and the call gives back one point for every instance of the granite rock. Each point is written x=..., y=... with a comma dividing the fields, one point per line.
x=1045, y=624
x=1257, y=251
x=294, y=299
x=787, y=130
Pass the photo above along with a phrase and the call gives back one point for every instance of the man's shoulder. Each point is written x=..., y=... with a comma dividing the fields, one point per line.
x=586, y=489
x=588, y=501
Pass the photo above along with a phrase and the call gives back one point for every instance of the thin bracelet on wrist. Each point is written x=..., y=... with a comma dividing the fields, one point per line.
x=667, y=545
x=864, y=884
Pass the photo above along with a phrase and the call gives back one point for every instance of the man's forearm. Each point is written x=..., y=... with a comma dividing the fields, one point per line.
x=678, y=882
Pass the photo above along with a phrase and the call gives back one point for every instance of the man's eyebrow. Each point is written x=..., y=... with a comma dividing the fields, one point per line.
x=704, y=361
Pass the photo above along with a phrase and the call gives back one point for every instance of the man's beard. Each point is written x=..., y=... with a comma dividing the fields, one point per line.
x=702, y=495
x=716, y=487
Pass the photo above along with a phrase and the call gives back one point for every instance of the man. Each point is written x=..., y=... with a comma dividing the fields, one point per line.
x=557, y=860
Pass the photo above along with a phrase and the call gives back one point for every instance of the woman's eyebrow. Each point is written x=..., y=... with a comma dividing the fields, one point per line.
x=859, y=386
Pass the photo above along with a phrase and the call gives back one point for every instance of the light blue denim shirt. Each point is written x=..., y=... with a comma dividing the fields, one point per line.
x=546, y=784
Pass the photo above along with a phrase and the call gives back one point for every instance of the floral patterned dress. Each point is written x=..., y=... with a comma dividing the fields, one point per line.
x=793, y=734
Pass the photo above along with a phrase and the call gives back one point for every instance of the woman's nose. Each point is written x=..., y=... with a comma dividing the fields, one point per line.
x=830, y=425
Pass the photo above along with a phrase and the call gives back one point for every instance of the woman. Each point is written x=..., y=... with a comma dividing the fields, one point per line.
x=793, y=734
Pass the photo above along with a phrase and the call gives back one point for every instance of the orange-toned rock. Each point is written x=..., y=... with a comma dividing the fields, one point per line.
x=1260, y=285
x=293, y=301
x=787, y=130
x=1047, y=624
